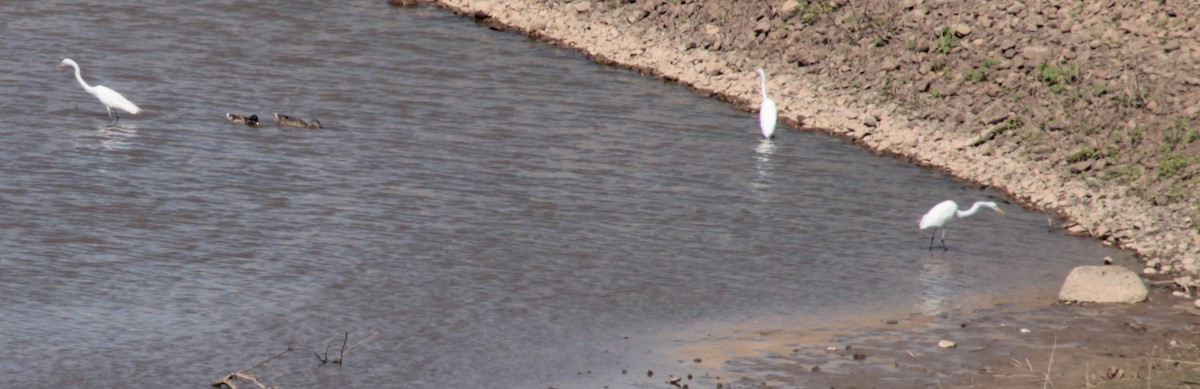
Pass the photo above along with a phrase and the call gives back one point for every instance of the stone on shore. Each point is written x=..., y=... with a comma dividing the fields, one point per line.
x=1103, y=284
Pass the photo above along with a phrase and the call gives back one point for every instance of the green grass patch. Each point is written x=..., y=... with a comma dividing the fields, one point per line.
x=1126, y=173
x=1136, y=134
x=812, y=11
x=982, y=72
x=1083, y=154
x=1171, y=165
x=946, y=40
x=1057, y=76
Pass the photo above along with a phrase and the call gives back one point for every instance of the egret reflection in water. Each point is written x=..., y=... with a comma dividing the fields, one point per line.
x=107, y=137
x=762, y=164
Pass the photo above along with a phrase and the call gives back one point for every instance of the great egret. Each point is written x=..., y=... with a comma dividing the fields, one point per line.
x=109, y=97
x=941, y=213
x=251, y=120
x=285, y=120
x=767, y=113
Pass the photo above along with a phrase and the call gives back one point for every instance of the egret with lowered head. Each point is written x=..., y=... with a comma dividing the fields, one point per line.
x=944, y=211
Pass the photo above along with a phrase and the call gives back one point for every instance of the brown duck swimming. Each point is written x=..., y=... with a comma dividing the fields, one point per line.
x=288, y=121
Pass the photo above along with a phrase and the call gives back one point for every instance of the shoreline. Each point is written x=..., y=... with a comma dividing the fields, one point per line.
x=618, y=35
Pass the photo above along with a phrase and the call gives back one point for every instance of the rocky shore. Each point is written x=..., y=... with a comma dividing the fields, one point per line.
x=1086, y=110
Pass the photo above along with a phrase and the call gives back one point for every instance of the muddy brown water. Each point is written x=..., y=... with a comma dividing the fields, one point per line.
x=504, y=213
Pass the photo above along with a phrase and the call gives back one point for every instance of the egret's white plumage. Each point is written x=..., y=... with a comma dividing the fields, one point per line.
x=110, y=98
x=944, y=211
x=767, y=113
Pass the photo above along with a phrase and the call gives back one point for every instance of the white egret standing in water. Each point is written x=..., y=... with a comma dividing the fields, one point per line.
x=767, y=113
x=941, y=213
x=109, y=97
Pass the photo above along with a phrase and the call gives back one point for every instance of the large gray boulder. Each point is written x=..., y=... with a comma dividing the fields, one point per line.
x=1103, y=284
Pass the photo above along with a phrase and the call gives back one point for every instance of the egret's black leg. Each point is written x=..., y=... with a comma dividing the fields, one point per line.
x=931, y=238
x=944, y=248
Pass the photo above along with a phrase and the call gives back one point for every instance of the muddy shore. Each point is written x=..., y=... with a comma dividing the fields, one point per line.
x=1086, y=110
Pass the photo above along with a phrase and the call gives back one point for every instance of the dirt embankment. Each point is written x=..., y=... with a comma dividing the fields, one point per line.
x=1090, y=110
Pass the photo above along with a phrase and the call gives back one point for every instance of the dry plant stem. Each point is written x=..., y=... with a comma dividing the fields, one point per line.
x=1150, y=366
x=343, y=352
x=244, y=374
x=339, y=360
x=1046, y=382
x=325, y=358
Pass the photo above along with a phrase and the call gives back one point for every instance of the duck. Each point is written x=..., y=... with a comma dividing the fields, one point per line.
x=288, y=121
x=251, y=120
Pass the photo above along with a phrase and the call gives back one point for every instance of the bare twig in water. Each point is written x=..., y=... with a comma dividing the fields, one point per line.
x=244, y=375
x=343, y=352
x=1046, y=383
x=339, y=360
x=325, y=358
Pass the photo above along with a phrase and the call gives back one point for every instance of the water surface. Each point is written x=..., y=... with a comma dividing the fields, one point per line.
x=504, y=213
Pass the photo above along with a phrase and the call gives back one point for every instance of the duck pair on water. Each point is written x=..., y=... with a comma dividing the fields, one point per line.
x=280, y=119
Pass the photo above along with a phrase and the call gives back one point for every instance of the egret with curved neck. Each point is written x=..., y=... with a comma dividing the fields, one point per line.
x=944, y=211
x=110, y=98
x=767, y=113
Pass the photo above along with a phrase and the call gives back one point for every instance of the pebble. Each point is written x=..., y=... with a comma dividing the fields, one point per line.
x=832, y=348
x=947, y=344
x=1197, y=303
x=1025, y=331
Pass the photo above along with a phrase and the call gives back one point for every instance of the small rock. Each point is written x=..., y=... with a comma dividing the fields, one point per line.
x=1016, y=8
x=1108, y=260
x=1179, y=293
x=859, y=357
x=1025, y=331
x=1057, y=125
x=869, y=120
x=962, y=29
x=996, y=119
x=1150, y=271
x=763, y=25
x=832, y=348
x=1196, y=303
x=789, y=9
x=1036, y=54
x=816, y=369
x=947, y=344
